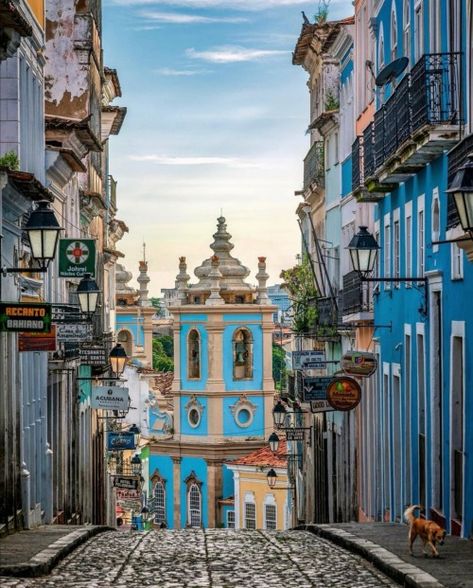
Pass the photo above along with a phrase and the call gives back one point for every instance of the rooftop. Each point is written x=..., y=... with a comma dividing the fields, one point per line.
x=264, y=457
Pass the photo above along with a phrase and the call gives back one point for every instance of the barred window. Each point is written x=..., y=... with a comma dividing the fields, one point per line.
x=270, y=516
x=194, y=505
x=159, y=503
x=250, y=515
x=230, y=519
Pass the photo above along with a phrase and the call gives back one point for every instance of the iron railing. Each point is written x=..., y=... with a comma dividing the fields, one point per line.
x=357, y=171
x=356, y=294
x=314, y=165
x=326, y=312
x=368, y=149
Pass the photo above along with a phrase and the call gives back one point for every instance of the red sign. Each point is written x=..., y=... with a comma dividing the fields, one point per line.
x=38, y=341
x=344, y=394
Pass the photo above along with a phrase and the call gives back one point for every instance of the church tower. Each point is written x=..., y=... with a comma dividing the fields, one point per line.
x=223, y=388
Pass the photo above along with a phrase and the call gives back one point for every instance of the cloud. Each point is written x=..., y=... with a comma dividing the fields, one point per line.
x=249, y=5
x=232, y=54
x=167, y=71
x=234, y=162
x=180, y=18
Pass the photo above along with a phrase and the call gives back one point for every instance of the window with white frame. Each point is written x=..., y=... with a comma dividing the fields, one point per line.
x=250, y=513
x=435, y=21
x=387, y=252
x=194, y=504
x=420, y=241
x=393, y=32
x=381, y=49
x=378, y=263
x=408, y=240
x=159, y=495
x=435, y=219
x=406, y=14
x=418, y=31
x=270, y=516
x=457, y=261
x=230, y=519
x=397, y=248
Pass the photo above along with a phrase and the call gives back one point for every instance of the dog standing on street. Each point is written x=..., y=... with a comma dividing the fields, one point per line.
x=428, y=531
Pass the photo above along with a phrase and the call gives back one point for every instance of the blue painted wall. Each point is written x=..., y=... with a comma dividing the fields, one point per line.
x=232, y=428
x=191, y=323
x=131, y=322
x=202, y=428
x=228, y=488
x=163, y=463
x=346, y=176
x=199, y=467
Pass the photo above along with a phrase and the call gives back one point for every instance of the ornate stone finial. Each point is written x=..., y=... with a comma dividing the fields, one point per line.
x=262, y=278
x=143, y=280
x=182, y=280
x=214, y=277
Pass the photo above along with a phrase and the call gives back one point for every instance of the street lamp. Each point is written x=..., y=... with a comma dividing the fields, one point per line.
x=136, y=465
x=461, y=189
x=88, y=293
x=272, y=478
x=363, y=250
x=136, y=432
x=118, y=359
x=273, y=442
x=279, y=414
x=145, y=514
x=43, y=233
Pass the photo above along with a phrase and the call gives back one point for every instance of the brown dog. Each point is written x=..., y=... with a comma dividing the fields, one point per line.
x=428, y=531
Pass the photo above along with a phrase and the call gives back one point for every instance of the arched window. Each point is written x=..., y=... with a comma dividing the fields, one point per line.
x=159, y=496
x=393, y=32
x=194, y=506
x=125, y=339
x=242, y=355
x=435, y=219
x=193, y=354
x=406, y=14
x=381, y=49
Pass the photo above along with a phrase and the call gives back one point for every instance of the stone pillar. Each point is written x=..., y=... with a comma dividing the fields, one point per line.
x=214, y=275
x=176, y=470
x=214, y=491
x=262, y=278
x=182, y=280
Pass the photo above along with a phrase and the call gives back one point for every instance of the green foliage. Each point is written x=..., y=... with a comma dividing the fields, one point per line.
x=10, y=160
x=163, y=354
x=299, y=282
x=279, y=367
x=331, y=103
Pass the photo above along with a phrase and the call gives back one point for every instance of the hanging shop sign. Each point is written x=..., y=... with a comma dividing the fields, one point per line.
x=315, y=388
x=94, y=355
x=120, y=441
x=74, y=333
x=38, y=341
x=25, y=317
x=320, y=406
x=76, y=257
x=134, y=505
x=295, y=434
x=109, y=398
x=126, y=482
x=308, y=360
x=359, y=363
x=127, y=494
x=344, y=393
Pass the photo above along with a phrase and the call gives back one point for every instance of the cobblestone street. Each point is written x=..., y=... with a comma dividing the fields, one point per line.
x=215, y=558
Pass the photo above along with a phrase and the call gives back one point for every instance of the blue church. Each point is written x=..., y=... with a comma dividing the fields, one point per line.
x=220, y=407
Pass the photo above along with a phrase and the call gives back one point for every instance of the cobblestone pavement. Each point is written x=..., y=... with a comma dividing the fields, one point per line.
x=214, y=558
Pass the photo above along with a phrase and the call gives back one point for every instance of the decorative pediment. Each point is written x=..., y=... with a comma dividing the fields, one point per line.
x=243, y=411
x=192, y=479
x=156, y=478
x=194, y=403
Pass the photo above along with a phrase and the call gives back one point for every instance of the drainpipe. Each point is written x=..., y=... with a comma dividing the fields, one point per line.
x=48, y=485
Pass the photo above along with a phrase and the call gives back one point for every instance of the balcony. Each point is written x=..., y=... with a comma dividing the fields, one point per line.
x=326, y=312
x=314, y=167
x=420, y=120
x=357, y=299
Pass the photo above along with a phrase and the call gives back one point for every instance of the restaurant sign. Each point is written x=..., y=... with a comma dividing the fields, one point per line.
x=126, y=482
x=25, y=317
x=76, y=257
x=359, y=363
x=37, y=341
x=93, y=355
x=308, y=360
x=315, y=388
x=120, y=441
x=344, y=393
x=295, y=434
x=74, y=333
x=109, y=398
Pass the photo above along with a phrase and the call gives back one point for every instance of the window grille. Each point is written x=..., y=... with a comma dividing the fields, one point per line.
x=270, y=516
x=194, y=506
x=230, y=519
x=159, y=503
x=250, y=515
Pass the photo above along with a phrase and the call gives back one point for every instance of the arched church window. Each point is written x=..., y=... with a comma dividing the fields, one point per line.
x=194, y=503
x=193, y=354
x=242, y=354
x=159, y=495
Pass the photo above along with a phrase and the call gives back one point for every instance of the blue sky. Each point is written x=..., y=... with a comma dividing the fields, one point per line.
x=216, y=120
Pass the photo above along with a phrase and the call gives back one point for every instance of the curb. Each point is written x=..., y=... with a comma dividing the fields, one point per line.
x=390, y=564
x=44, y=561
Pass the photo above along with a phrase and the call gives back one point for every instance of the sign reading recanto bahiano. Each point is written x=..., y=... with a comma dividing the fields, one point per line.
x=109, y=398
x=25, y=317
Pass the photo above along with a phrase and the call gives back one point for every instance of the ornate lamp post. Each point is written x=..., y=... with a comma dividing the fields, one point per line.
x=118, y=359
x=273, y=442
x=272, y=478
x=363, y=250
x=279, y=414
x=88, y=293
x=43, y=234
x=462, y=191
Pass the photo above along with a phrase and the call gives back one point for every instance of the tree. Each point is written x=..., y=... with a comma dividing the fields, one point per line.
x=162, y=362
x=279, y=367
x=299, y=282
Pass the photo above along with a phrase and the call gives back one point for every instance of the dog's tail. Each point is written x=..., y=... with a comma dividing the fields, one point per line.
x=409, y=513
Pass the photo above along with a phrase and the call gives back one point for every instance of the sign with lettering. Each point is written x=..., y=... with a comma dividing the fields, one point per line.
x=344, y=393
x=315, y=388
x=74, y=333
x=120, y=441
x=295, y=434
x=26, y=317
x=359, y=363
x=93, y=355
x=320, y=406
x=126, y=482
x=128, y=494
x=308, y=360
x=76, y=257
x=38, y=341
x=109, y=398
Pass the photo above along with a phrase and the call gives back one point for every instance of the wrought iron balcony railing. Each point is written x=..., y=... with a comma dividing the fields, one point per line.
x=326, y=312
x=357, y=171
x=368, y=147
x=314, y=166
x=356, y=295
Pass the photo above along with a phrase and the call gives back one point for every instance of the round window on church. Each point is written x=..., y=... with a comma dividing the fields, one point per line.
x=193, y=417
x=244, y=417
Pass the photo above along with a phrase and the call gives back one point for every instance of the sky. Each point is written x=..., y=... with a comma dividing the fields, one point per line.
x=216, y=122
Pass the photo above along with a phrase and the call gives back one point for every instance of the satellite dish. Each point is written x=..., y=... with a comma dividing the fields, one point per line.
x=391, y=71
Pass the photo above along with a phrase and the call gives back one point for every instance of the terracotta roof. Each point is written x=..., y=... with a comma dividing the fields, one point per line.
x=163, y=381
x=264, y=457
